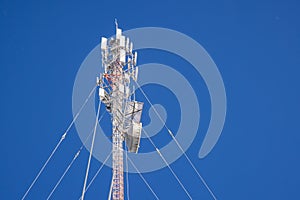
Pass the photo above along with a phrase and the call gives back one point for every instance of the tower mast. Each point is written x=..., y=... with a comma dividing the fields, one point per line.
x=116, y=93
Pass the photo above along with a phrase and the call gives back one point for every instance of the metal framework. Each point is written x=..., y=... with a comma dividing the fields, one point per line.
x=117, y=93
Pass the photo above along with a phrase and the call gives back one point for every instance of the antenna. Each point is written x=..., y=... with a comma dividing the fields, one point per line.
x=115, y=88
x=116, y=23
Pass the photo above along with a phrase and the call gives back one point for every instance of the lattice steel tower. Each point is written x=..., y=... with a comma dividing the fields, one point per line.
x=117, y=93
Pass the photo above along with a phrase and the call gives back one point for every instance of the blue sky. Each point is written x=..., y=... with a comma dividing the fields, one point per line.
x=255, y=45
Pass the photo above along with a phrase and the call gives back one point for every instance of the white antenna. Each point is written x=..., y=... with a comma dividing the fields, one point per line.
x=116, y=23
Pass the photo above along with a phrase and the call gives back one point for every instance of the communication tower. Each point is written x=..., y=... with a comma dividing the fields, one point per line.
x=117, y=93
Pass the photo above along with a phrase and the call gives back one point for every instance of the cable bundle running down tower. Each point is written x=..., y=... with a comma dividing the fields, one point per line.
x=117, y=93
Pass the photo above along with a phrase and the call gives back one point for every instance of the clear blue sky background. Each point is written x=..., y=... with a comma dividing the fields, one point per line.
x=255, y=44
